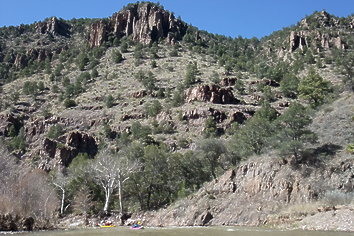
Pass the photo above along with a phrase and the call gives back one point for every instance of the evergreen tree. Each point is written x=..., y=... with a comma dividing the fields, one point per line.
x=191, y=74
x=210, y=129
x=345, y=61
x=314, y=89
x=19, y=142
x=149, y=82
x=154, y=108
x=289, y=85
x=292, y=135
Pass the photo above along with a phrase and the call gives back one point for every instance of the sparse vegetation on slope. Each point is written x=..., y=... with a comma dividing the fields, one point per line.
x=181, y=104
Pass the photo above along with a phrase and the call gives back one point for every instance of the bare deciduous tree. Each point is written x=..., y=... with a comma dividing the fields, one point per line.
x=24, y=192
x=110, y=172
x=61, y=181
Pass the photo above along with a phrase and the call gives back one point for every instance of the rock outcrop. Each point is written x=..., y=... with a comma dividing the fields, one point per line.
x=248, y=194
x=62, y=154
x=53, y=27
x=312, y=35
x=228, y=81
x=211, y=93
x=203, y=113
x=35, y=54
x=144, y=22
x=7, y=121
x=297, y=40
x=99, y=32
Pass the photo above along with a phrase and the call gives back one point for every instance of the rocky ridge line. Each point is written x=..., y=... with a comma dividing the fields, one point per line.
x=145, y=23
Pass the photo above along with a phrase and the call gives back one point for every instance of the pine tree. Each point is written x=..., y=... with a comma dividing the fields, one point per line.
x=314, y=89
x=292, y=135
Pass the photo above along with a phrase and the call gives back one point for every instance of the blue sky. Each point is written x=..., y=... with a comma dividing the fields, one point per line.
x=246, y=18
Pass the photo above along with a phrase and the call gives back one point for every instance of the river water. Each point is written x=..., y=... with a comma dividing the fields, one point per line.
x=185, y=231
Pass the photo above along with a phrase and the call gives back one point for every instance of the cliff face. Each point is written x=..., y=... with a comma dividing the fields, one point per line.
x=248, y=194
x=54, y=27
x=146, y=23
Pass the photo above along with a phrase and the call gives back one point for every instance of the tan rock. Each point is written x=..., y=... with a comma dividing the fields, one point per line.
x=211, y=93
x=145, y=22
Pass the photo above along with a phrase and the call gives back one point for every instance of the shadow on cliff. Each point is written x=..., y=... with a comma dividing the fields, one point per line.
x=316, y=157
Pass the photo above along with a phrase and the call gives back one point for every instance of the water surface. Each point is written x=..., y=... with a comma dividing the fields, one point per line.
x=186, y=231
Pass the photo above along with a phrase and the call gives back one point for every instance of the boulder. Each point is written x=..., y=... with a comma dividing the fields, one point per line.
x=267, y=82
x=49, y=147
x=206, y=217
x=211, y=93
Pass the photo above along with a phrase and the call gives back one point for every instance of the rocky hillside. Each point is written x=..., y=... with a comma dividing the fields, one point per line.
x=267, y=190
x=259, y=191
x=158, y=91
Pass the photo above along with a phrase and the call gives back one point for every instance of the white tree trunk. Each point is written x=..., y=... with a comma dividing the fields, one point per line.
x=108, y=198
x=120, y=200
x=62, y=201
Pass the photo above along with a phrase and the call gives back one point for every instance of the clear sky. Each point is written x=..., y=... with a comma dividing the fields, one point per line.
x=246, y=18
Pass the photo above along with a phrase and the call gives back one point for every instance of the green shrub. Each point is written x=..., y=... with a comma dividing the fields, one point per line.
x=19, y=142
x=124, y=47
x=94, y=73
x=215, y=78
x=140, y=131
x=292, y=134
x=55, y=131
x=210, y=129
x=109, y=101
x=174, y=52
x=177, y=97
x=153, y=108
x=69, y=103
x=153, y=64
x=117, y=56
x=350, y=148
x=30, y=88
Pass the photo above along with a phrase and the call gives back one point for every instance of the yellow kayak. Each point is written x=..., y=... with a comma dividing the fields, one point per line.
x=107, y=226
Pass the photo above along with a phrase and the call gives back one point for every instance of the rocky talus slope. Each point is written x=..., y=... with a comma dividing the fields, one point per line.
x=256, y=190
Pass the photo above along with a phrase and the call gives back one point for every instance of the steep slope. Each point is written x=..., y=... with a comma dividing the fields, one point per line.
x=257, y=191
x=271, y=190
x=146, y=85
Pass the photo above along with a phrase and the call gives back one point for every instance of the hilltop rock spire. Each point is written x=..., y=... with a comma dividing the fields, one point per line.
x=145, y=22
x=54, y=27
